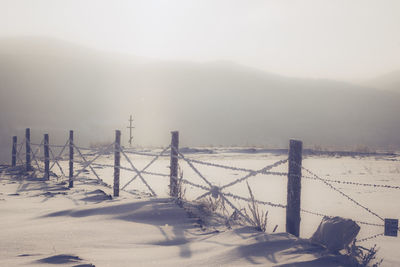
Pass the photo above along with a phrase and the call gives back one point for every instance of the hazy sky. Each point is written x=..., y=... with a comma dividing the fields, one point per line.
x=338, y=39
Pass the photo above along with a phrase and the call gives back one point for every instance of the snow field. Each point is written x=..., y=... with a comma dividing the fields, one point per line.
x=316, y=196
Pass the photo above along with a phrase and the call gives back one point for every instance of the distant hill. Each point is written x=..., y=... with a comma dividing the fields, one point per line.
x=389, y=81
x=54, y=86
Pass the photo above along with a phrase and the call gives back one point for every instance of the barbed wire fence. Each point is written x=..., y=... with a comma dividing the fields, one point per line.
x=218, y=191
x=87, y=161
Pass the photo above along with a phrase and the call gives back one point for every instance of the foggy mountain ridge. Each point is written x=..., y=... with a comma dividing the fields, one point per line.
x=51, y=85
x=389, y=81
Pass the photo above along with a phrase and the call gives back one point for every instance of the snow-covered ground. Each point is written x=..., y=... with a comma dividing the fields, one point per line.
x=172, y=236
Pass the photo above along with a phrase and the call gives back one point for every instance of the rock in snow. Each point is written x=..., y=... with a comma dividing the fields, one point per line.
x=335, y=233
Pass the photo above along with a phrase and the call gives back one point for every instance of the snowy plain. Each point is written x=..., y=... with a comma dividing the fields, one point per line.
x=316, y=197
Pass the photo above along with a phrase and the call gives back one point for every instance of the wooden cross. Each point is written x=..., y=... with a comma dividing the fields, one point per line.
x=130, y=127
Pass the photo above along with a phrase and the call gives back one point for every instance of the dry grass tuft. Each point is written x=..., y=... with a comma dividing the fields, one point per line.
x=257, y=219
x=364, y=256
x=179, y=184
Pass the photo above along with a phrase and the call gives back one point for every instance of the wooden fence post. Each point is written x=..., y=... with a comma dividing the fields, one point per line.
x=28, y=149
x=117, y=157
x=71, y=159
x=173, y=180
x=46, y=157
x=294, y=188
x=14, y=152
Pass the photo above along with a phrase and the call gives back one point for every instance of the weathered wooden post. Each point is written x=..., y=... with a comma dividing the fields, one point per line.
x=71, y=159
x=173, y=180
x=46, y=157
x=117, y=157
x=14, y=152
x=28, y=149
x=294, y=188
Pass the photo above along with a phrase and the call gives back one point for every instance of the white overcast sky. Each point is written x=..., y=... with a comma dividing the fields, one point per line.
x=336, y=39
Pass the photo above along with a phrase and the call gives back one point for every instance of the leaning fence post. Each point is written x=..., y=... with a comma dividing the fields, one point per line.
x=117, y=162
x=173, y=181
x=294, y=188
x=71, y=159
x=46, y=157
x=14, y=152
x=28, y=149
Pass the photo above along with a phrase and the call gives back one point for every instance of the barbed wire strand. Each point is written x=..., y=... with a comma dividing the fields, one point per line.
x=236, y=209
x=59, y=155
x=59, y=146
x=276, y=205
x=234, y=168
x=253, y=173
x=139, y=174
x=19, y=151
x=147, y=166
x=56, y=161
x=369, y=238
x=340, y=192
x=209, y=192
x=148, y=154
x=125, y=169
x=250, y=174
x=156, y=174
x=193, y=167
x=325, y=215
x=34, y=144
x=87, y=164
x=95, y=154
x=35, y=152
x=37, y=149
x=353, y=183
x=91, y=149
x=192, y=184
x=219, y=165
